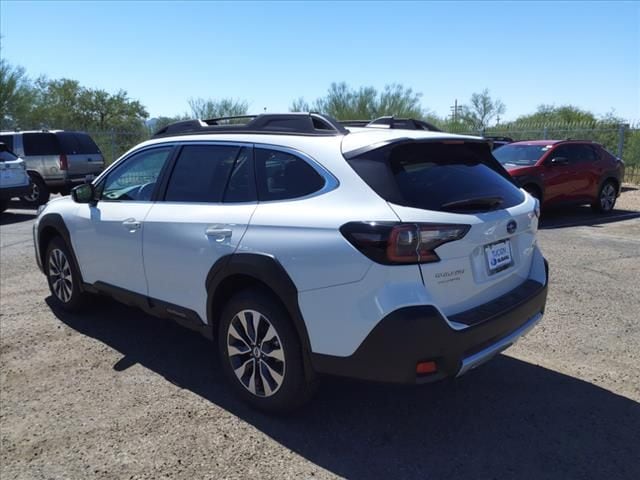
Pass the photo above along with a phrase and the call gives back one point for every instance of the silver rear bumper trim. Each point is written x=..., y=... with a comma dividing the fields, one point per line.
x=477, y=359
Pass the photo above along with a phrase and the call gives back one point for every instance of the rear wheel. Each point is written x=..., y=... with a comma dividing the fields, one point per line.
x=62, y=276
x=261, y=354
x=39, y=192
x=606, y=198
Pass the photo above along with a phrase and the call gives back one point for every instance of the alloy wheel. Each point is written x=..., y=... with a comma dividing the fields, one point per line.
x=255, y=353
x=607, y=197
x=35, y=193
x=60, y=275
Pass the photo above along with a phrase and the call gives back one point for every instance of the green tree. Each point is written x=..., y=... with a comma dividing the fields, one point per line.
x=299, y=105
x=214, y=108
x=481, y=110
x=550, y=114
x=16, y=95
x=345, y=103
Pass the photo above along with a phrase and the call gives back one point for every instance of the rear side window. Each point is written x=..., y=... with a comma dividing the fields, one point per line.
x=77, y=143
x=201, y=173
x=282, y=176
x=7, y=140
x=40, y=144
x=436, y=176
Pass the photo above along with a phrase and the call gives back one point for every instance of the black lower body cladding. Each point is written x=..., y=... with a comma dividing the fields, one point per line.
x=410, y=335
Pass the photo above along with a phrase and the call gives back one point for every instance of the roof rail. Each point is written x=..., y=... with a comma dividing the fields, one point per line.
x=284, y=123
x=394, y=123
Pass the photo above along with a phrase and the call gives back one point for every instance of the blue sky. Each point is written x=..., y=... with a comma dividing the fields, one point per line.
x=581, y=53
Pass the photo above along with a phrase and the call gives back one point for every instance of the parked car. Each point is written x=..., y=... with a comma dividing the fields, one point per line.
x=56, y=160
x=497, y=142
x=387, y=255
x=14, y=181
x=560, y=172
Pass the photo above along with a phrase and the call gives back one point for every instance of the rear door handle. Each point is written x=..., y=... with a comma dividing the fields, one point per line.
x=131, y=224
x=219, y=233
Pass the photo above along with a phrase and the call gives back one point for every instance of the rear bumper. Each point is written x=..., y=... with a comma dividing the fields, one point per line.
x=10, y=192
x=420, y=333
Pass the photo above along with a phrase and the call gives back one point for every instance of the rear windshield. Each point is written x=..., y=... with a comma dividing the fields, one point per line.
x=77, y=143
x=7, y=140
x=437, y=176
x=40, y=144
x=6, y=155
x=522, y=155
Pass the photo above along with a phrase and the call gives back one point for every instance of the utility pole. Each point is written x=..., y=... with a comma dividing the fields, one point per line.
x=455, y=111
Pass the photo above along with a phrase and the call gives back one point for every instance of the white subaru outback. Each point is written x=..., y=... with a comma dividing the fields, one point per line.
x=304, y=248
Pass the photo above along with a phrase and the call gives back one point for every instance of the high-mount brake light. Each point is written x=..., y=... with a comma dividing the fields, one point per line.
x=392, y=243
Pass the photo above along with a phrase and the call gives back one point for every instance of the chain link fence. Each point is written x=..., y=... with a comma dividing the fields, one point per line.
x=622, y=140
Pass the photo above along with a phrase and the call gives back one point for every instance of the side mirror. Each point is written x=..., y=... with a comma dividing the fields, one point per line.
x=84, y=193
x=89, y=178
x=559, y=161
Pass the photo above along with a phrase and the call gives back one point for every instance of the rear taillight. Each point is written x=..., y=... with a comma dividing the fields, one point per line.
x=401, y=243
x=64, y=164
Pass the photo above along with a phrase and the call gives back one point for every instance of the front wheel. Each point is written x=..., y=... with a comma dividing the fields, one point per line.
x=261, y=354
x=63, y=277
x=606, y=198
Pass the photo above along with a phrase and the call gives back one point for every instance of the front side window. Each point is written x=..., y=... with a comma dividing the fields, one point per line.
x=135, y=179
x=201, y=173
x=282, y=176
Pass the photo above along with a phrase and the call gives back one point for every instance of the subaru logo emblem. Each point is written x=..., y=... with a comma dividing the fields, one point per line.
x=511, y=226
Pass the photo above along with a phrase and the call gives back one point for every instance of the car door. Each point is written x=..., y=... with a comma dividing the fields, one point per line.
x=587, y=173
x=107, y=236
x=559, y=171
x=202, y=216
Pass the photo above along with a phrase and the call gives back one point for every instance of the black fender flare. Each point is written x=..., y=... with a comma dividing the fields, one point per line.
x=268, y=270
x=532, y=180
x=56, y=222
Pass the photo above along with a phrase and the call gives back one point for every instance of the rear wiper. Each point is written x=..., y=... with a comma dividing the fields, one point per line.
x=477, y=203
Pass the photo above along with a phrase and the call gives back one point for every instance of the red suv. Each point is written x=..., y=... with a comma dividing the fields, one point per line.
x=561, y=172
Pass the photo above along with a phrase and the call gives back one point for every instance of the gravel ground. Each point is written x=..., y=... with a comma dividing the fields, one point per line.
x=114, y=393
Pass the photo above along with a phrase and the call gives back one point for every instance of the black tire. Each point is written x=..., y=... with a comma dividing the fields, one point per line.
x=4, y=204
x=39, y=192
x=606, y=197
x=268, y=394
x=63, y=278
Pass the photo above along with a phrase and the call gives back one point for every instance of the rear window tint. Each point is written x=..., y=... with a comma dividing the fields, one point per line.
x=201, y=173
x=77, y=143
x=282, y=176
x=7, y=140
x=437, y=176
x=6, y=156
x=40, y=144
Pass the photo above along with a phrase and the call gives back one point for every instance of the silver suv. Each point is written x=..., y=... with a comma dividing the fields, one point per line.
x=56, y=160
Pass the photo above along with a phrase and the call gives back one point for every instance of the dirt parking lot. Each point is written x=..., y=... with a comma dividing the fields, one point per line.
x=114, y=393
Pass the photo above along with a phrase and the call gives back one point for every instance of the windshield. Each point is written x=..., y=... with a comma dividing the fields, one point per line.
x=520, y=154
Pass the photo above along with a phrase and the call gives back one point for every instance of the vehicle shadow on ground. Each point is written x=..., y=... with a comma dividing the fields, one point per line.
x=9, y=218
x=508, y=419
x=582, y=216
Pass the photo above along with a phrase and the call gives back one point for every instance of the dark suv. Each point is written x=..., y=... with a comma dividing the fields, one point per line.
x=559, y=172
